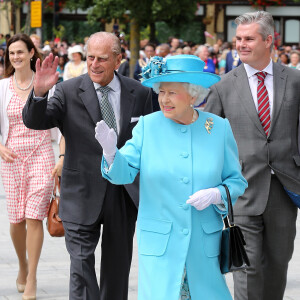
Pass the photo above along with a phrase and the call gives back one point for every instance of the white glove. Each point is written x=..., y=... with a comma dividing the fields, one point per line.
x=107, y=138
x=203, y=198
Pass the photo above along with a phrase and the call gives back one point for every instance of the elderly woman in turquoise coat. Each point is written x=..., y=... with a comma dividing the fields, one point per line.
x=184, y=157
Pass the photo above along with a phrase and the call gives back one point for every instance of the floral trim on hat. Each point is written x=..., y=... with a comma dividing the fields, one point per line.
x=156, y=66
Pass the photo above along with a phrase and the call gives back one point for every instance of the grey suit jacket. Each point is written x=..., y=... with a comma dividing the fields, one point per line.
x=231, y=98
x=75, y=109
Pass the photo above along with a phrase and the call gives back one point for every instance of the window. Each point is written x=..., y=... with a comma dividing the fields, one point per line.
x=292, y=31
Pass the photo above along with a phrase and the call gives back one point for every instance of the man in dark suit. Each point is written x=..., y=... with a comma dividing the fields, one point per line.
x=261, y=100
x=87, y=200
x=232, y=57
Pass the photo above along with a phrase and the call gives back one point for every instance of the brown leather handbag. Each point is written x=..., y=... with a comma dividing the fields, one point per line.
x=54, y=223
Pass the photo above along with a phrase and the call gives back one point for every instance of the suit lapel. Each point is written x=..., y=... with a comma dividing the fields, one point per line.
x=279, y=82
x=241, y=84
x=89, y=98
x=126, y=107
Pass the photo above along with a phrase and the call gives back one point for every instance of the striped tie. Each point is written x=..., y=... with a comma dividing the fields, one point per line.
x=106, y=108
x=263, y=102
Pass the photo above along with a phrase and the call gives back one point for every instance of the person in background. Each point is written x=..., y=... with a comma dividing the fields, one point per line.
x=27, y=161
x=163, y=50
x=215, y=56
x=63, y=48
x=2, y=55
x=1, y=70
x=174, y=44
x=284, y=59
x=287, y=50
x=62, y=61
x=76, y=66
x=37, y=42
x=124, y=66
x=142, y=62
x=187, y=50
x=89, y=203
x=46, y=50
x=178, y=51
x=7, y=37
x=2, y=39
x=294, y=60
x=261, y=100
x=232, y=57
x=179, y=223
x=203, y=53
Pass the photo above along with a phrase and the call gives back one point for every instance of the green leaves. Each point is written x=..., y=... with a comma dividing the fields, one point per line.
x=144, y=11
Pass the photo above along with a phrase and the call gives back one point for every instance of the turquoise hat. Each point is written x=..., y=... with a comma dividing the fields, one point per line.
x=177, y=68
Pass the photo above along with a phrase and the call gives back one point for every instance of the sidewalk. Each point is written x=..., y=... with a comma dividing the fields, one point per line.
x=53, y=269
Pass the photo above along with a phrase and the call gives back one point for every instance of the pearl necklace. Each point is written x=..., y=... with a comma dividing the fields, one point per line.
x=195, y=115
x=27, y=87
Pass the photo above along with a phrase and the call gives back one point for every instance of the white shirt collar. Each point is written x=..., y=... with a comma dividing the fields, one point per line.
x=251, y=71
x=114, y=84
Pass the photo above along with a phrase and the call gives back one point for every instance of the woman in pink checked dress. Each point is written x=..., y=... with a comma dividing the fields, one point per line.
x=27, y=162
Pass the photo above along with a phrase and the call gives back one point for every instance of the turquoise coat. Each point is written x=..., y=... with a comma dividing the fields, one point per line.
x=174, y=162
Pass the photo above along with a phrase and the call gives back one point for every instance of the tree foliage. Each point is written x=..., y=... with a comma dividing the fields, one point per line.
x=144, y=11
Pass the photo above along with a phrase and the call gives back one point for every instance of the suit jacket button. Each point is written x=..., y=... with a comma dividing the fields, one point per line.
x=185, y=180
x=185, y=231
x=184, y=154
x=185, y=206
x=183, y=129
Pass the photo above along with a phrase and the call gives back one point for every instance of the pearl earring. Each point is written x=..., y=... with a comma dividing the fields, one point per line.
x=191, y=105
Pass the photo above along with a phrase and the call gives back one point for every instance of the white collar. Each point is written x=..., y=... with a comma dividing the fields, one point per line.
x=251, y=71
x=114, y=84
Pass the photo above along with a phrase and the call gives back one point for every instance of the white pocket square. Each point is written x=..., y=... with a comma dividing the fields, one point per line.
x=134, y=119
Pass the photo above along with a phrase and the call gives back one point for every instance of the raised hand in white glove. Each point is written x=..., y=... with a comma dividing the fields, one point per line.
x=203, y=198
x=107, y=138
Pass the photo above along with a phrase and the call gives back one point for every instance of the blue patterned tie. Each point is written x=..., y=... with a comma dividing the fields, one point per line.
x=106, y=108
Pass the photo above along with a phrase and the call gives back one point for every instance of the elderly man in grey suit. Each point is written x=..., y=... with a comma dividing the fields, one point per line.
x=88, y=202
x=261, y=99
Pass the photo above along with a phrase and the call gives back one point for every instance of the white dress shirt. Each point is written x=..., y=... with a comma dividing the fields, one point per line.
x=114, y=98
x=253, y=82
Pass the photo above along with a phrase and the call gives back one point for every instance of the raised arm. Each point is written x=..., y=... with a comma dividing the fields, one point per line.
x=46, y=75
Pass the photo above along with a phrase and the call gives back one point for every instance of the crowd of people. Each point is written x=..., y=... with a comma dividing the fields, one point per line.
x=219, y=58
x=142, y=150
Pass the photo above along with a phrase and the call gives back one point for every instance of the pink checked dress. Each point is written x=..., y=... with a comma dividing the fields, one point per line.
x=27, y=181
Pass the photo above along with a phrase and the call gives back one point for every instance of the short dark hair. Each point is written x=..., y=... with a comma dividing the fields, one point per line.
x=8, y=68
x=150, y=45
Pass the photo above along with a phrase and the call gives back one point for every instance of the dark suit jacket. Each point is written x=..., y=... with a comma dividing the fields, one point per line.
x=124, y=68
x=231, y=98
x=75, y=109
x=229, y=62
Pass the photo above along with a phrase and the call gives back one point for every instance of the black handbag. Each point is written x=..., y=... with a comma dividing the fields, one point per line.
x=233, y=253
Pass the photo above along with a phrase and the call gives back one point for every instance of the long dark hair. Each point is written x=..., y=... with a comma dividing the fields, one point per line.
x=8, y=68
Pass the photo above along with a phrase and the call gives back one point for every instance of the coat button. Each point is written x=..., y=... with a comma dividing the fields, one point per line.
x=185, y=180
x=185, y=231
x=184, y=154
x=185, y=206
x=183, y=130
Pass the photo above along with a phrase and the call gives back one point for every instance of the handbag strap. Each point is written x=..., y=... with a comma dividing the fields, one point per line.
x=56, y=185
x=230, y=209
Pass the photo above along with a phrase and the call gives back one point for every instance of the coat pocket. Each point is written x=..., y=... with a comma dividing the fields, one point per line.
x=154, y=236
x=212, y=237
